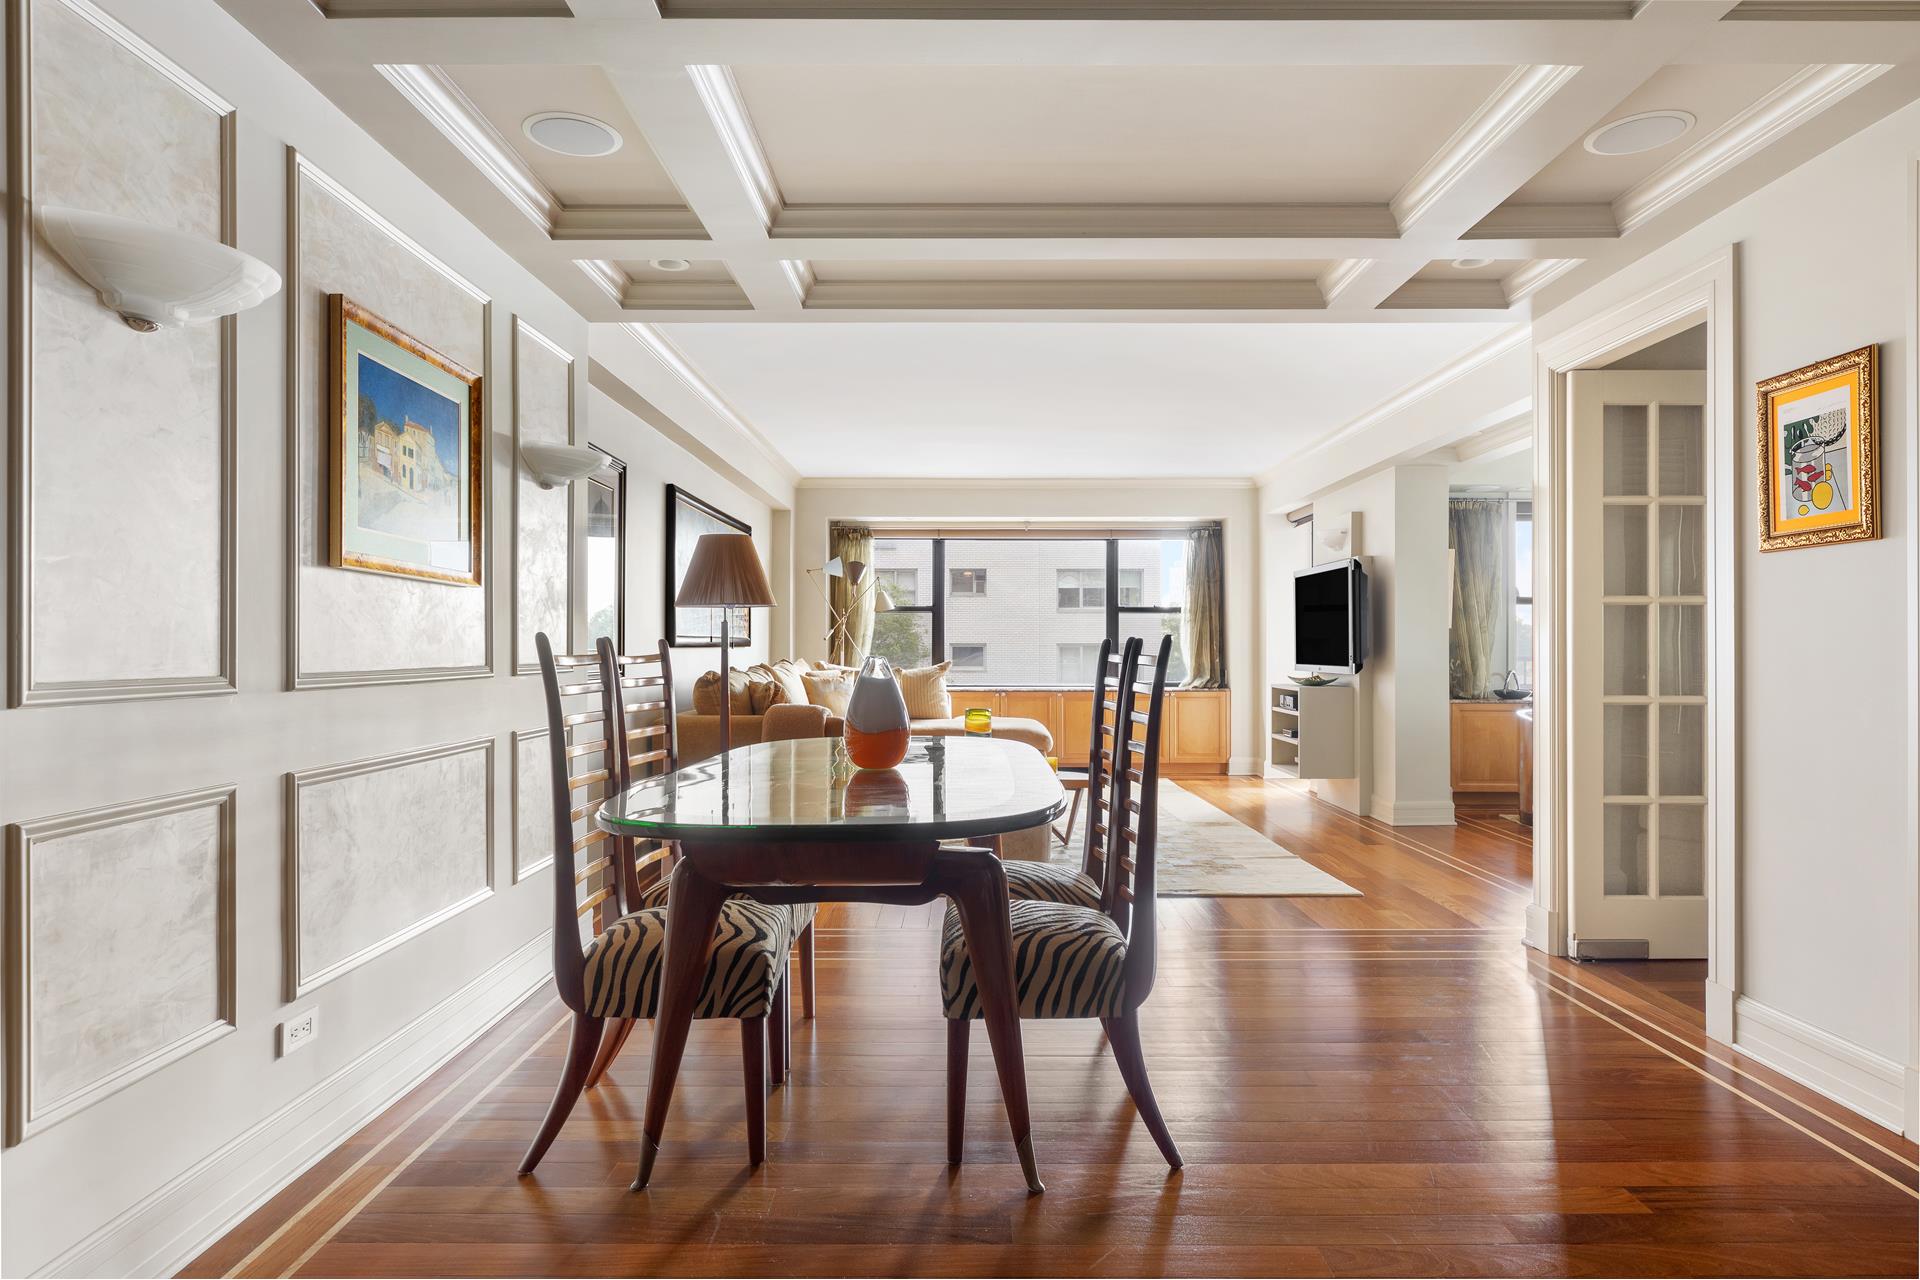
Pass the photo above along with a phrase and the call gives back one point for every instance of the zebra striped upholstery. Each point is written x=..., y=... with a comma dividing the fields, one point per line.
x=655, y=895
x=1050, y=882
x=624, y=964
x=1067, y=963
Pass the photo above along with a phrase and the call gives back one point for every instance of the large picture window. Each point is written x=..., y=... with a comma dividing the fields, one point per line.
x=1050, y=603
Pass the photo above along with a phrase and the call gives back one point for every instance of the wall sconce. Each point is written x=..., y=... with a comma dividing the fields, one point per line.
x=552, y=465
x=152, y=276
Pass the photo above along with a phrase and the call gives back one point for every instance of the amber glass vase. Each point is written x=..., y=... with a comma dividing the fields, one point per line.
x=876, y=717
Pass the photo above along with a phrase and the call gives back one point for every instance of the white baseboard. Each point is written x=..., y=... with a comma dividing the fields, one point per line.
x=1856, y=1078
x=1720, y=1005
x=1541, y=929
x=178, y=1221
x=1245, y=766
x=1408, y=813
x=1912, y=1129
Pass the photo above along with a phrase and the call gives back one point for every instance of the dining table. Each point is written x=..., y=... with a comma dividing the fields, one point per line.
x=796, y=821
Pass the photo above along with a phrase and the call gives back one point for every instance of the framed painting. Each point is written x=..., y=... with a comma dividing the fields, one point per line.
x=406, y=465
x=687, y=518
x=1819, y=455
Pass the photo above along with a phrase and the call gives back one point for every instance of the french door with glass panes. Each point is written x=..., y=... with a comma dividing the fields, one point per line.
x=1637, y=655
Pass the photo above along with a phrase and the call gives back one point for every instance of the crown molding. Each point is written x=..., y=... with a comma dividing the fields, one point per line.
x=1537, y=275
x=1167, y=10
x=720, y=95
x=1142, y=221
x=684, y=295
x=1065, y=295
x=625, y=222
x=1802, y=96
x=800, y=277
x=610, y=279
x=1511, y=105
x=443, y=8
x=671, y=358
x=1823, y=11
x=1496, y=440
x=1335, y=279
x=1447, y=295
x=1025, y=483
x=1546, y=222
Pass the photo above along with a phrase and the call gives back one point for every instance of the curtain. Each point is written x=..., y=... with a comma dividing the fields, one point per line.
x=1478, y=530
x=1202, y=638
x=850, y=605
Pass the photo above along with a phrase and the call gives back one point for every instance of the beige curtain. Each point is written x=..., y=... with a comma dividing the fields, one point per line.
x=1478, y=529
x=1203, y=639
x=853, y=604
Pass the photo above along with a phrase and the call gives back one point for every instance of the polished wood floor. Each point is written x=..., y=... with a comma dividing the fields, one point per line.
x=1383, y=1085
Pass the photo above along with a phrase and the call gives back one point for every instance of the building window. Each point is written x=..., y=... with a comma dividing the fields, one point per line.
x=901, y=585
x=969, y=657
x=606, y=585
x=1076, y=665
x=1132, y=587
x=1081, y=588
x=967, y=582
x=1520, y=617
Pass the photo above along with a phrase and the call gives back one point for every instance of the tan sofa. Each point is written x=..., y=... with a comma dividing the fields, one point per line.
x=699, y=728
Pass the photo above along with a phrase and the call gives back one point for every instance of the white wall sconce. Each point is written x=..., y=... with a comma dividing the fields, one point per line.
x=552, y=465
x=155, y=277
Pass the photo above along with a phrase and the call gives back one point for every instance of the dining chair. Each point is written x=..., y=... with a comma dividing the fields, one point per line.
x=611, y=966
x=637, y=695
x=1051, y=881
x=1076, y=961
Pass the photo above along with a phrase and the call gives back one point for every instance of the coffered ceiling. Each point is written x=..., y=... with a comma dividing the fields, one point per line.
x=1388, y=163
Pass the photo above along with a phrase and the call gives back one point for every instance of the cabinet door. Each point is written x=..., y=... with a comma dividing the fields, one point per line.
x=965, y=700
x=1196, y=728
x=1486, y=748
x=1035, y=704
x=1073, y=743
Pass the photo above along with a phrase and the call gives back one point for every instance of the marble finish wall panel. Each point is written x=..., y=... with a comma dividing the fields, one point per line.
x=542, y=413
x=532, y=804
x=352, y=627
x=123, y=935
x=129, y=490
x=382, y=850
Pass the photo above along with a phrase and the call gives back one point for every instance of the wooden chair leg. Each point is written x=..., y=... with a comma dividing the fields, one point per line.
x=573, y=1078
x=779, y=1034
x=610, y=1046
x=806, y=971
x=1123, y=1033
x=957, y=1029
x=753, y=1061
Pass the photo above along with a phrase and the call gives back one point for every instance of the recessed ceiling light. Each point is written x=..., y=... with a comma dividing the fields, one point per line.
x=572, y=135
x=1471, y=264
x=1645, y=131
x=669, y=264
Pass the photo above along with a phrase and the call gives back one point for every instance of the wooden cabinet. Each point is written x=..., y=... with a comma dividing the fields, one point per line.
x=1196, y=735
x=1198, y=728
x=1073, y=740
x=1486, y=746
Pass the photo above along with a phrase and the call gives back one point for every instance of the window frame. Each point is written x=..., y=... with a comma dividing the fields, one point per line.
x=979, y=581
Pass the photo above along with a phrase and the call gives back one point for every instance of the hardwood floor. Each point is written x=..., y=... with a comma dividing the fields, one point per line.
x=1383, y=1085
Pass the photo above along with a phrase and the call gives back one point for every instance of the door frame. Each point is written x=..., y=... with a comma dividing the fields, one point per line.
x=1705, y=292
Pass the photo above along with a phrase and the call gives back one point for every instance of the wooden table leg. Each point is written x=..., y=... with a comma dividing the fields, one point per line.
x=978, y=886
x=693, y=908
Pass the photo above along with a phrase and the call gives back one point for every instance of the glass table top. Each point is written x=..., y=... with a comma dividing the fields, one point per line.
x=946, y=789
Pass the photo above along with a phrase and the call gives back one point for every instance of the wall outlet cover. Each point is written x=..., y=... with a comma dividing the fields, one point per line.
x=299, y=1031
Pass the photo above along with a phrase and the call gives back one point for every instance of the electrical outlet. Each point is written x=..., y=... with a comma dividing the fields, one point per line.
x=299, y=1031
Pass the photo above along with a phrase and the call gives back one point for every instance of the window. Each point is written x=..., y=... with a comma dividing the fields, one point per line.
x=967, y=582
x=1053, y=601
x=1520, y=622
x=1082, y=588
x=606, y=554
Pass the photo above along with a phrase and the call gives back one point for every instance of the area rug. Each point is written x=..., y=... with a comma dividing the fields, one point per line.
x=1203, y=852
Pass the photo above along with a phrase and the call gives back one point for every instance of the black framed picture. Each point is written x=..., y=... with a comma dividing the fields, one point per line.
x=687, y=518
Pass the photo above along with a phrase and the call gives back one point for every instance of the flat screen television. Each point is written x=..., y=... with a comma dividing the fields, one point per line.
x=1330, y=618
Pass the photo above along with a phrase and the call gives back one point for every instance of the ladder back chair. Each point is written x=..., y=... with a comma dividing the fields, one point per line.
x=1077, y=961
x=608, y=951
x=1050, y=881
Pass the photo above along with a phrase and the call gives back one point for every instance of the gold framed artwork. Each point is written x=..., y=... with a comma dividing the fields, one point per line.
x=405, y=465
x=1819, y=457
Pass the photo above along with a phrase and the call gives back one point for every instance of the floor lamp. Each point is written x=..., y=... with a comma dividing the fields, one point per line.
x=725, y=574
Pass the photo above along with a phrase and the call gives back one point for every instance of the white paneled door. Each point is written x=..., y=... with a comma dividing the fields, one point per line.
x=1638, y=649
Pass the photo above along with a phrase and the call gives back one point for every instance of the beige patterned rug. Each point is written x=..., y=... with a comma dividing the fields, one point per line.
x=1205, y=853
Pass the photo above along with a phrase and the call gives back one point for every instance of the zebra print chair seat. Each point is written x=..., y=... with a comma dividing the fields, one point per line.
x=744, y=968
x=655, y=895
x=1051, y=882
x=1068, y=962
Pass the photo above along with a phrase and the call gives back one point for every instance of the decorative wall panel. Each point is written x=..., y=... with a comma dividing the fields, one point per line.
x=542, y=414
x=381, y=850
x=349, y=627
x=126, y=488
x=121, y=948
x=532, y=804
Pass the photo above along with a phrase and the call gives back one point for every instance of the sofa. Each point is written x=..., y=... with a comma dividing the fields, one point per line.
x=757, y=689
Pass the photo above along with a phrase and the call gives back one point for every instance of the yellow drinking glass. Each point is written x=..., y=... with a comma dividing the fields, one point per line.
x=979, y=722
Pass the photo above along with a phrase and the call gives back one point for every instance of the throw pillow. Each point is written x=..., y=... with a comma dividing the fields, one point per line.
x=787, y=674
x=829, y=689
x=925, y=689
x=706, y=694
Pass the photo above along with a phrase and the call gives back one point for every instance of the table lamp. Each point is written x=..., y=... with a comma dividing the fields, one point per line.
x=725, y=574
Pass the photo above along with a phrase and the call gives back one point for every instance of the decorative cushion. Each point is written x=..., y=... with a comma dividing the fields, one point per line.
x=786, y=674
x=925, y=690
x=829, y=689
x=1050, y=882
x=744, y=965
x=706, y=694
x=784, y=720
x=1067, y=963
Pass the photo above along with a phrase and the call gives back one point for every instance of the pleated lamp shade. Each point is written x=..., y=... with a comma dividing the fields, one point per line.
x=725, y=572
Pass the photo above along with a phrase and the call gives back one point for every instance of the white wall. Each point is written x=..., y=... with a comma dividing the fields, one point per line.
x=1827, y=769
x=1103, y=505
